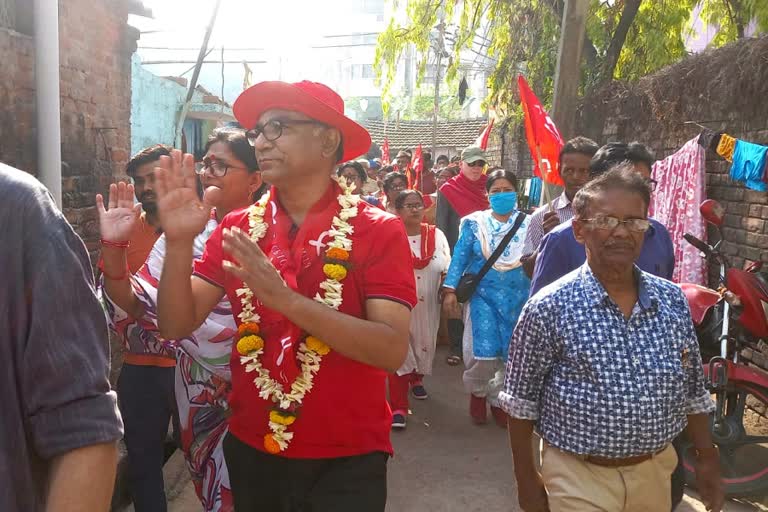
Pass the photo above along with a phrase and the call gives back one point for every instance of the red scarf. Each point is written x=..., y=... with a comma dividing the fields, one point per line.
x=290, y=252
x=427, y=247
x=465, y=196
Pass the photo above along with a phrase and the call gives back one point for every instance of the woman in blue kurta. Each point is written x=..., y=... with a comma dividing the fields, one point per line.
x=492, y=312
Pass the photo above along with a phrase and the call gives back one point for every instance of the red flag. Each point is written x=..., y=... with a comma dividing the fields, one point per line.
x=385, y=152
x=544, y=139
x=482, y=140
x=418, y=167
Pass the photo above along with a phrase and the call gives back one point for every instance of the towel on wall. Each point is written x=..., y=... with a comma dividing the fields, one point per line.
x=749, y=165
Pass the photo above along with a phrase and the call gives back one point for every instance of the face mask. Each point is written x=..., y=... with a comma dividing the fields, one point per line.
x=503, y=202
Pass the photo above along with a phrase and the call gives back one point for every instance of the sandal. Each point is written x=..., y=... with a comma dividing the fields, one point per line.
x=453, y=360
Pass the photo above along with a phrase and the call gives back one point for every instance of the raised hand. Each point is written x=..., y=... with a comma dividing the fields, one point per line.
x=182, y=213
x=117, y=223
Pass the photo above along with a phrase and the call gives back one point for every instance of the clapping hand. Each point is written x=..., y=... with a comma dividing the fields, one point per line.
x=117, y=222
x=183, y=215
x=253, y=267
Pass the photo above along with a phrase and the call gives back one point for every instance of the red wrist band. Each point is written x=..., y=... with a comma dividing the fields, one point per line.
x=118, y=245
x=126, y=273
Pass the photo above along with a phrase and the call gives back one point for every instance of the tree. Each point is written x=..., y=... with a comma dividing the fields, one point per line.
x=625, y=39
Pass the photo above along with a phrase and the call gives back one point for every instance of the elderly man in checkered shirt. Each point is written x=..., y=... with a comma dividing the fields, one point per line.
x=605, y=363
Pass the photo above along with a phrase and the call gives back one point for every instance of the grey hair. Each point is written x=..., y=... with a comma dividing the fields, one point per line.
x=621, y=177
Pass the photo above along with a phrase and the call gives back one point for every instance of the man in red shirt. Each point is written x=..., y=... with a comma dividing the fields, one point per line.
x=321, y=286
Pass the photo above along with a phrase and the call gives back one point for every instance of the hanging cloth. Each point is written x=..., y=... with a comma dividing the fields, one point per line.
x=726, y=146
x=534, y=194
x=675, y=203
x=749, y=165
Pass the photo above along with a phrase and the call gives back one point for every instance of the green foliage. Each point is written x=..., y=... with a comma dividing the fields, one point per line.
x=733, y=16
x=421, y=107
x=524, y=38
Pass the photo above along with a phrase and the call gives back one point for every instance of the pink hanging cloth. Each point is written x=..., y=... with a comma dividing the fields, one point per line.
x=680, y=189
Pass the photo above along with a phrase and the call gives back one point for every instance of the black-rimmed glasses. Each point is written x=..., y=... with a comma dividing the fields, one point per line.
x=216, y=168
x=272, y=130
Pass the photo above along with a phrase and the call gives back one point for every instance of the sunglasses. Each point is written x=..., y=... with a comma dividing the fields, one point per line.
x=479, y=163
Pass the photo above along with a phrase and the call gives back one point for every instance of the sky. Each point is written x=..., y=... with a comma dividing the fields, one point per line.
x=284, y=27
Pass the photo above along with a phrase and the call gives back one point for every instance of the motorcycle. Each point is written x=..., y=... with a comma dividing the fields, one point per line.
x=728, y=320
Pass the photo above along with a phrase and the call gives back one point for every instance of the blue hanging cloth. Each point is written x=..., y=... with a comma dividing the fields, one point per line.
x=534, y=196
x=749, y=165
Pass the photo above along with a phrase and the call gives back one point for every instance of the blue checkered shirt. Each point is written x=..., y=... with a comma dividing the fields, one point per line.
x=597, y=383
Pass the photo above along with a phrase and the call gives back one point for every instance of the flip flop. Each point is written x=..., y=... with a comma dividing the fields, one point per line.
x=453, y=360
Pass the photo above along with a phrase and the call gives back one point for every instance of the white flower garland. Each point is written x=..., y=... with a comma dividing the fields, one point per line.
x=270, y=389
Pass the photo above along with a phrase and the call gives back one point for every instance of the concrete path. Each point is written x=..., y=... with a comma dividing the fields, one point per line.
x=444, y=463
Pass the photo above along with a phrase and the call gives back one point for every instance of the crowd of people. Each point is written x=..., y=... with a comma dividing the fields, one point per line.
x=255, y=287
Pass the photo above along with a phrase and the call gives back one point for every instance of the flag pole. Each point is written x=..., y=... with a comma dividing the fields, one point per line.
x=544, y=185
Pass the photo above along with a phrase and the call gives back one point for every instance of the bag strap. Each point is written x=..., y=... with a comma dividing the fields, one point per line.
x=502, y=245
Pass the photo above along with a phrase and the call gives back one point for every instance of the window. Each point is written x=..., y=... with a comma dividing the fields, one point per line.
x=8, y=14
x=361, y=71
x=16, y=15
x=374, y=6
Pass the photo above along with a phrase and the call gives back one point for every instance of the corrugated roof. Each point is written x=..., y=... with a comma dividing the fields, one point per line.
x=408, y=134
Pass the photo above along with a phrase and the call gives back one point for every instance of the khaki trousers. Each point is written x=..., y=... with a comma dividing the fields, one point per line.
x=574, y=485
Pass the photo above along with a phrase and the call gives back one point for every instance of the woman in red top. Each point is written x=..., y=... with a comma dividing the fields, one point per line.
x=321, y=287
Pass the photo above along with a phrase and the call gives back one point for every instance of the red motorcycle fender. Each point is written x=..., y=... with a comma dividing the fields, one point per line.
x=742, y=373
x=700, y=300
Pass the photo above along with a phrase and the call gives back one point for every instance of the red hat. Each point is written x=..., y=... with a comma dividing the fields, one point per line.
x=312, y=99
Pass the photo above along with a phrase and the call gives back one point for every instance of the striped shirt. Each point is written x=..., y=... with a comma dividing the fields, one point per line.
x=562, y=205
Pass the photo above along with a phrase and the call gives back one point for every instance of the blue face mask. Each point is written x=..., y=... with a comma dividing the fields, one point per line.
x=503, y=202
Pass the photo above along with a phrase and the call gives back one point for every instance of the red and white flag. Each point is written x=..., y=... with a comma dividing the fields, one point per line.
x=385, y=152
x=544, y=139
x=418, y=167
x=482, y=140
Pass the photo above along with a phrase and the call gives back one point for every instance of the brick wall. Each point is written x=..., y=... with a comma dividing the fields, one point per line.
x=716, y=90
x=95, y=51
x=724, y=89
x=17, y=97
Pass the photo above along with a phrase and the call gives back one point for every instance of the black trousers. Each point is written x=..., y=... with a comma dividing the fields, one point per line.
x=266, y=482
x=147, y=404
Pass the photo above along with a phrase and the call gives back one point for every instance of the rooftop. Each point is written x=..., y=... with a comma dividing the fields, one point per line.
x=408, y=134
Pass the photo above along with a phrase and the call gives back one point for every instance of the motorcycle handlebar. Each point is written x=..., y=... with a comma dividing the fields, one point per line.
x=699, y=244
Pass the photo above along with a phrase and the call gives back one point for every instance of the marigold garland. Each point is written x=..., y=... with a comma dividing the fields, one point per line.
x=249, y=343
x=335, y=271
x=335, y=253
x=316, y=345
x=312, y=349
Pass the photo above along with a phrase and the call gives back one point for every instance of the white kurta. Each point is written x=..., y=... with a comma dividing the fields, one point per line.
x=425, y=317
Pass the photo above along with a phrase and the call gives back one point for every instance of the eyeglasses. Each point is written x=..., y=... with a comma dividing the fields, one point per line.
x=479, y=163
x=216, y=168
x=414, y=206
x=273, y=130
x=611, y=223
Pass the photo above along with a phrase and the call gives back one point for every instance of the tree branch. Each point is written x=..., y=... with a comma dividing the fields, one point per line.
x=628, y=15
